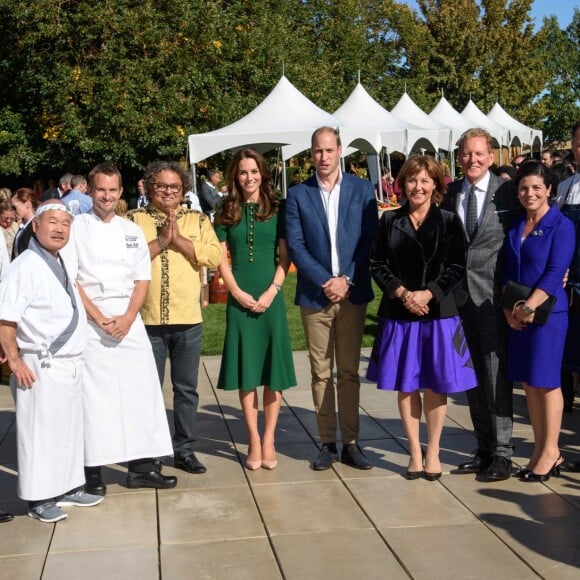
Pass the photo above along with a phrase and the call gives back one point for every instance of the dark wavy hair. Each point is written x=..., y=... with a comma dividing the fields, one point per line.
x=540, y=170
x=158, y=166
x=415, y=165
x=230, y=212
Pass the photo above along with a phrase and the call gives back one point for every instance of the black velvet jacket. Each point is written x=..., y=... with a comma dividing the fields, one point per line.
x=433, y=257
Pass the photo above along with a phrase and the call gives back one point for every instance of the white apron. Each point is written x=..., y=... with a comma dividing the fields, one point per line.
x=124, y=412
x=49, y=428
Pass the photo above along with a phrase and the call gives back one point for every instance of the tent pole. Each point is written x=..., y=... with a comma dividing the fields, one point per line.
x=193, y=179
x=284, y=185
x=380, y=183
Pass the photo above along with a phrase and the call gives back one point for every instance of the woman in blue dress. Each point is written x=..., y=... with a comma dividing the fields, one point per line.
x=538, y=250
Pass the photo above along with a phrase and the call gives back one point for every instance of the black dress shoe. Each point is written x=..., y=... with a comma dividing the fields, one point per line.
x=500, y=469
x=189, y=463
x=327, y=456
x=94, y=483
x=352, y=455
x=479, y=462
x=6, y=517
x=151, y=479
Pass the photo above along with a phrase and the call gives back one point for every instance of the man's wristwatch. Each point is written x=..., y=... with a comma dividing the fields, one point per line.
x=348, y=279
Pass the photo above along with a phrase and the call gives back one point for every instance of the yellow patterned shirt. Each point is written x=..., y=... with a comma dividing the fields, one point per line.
x=174, y=292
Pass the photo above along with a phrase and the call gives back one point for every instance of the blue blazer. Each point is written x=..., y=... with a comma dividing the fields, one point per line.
x=308, y=239
x=541, y=261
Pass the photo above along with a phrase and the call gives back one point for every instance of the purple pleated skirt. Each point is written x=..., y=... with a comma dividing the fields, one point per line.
x=433, y=354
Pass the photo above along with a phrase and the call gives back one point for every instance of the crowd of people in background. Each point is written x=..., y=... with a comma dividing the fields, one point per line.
x=480, y=282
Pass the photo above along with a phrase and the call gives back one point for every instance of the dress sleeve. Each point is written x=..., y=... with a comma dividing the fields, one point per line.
x=560, y=257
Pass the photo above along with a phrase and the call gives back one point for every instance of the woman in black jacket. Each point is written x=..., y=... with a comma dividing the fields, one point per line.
x=418, y=259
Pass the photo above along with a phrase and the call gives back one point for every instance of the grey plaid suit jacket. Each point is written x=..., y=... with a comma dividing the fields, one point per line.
x=484, y=251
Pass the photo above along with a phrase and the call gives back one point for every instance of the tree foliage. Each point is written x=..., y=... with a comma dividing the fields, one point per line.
x=126, y=81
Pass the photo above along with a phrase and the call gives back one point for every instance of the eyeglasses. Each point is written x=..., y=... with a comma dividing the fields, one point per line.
x=172, y=187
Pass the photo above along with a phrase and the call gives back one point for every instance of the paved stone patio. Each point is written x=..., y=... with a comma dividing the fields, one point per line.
x=299, y=524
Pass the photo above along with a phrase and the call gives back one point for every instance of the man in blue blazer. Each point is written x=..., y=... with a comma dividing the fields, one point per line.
x=331, y=219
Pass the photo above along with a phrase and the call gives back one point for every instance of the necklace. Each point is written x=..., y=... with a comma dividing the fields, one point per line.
x=416, y=221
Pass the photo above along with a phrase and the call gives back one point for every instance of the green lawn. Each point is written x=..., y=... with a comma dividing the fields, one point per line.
x=214, y=317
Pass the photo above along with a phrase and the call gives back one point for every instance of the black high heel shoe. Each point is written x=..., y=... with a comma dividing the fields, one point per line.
x=523, y=472
x=555, y=471
x=410, y=475
x=432, y=476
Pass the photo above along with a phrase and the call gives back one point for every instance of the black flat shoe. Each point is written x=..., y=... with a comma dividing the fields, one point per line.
x=479, y=462
x=499, y=469
x=94, y=483
x=189, y=463
x=326, y=457
x=410, y=475
x=152, y=479
x=352, y=455
x=6, y=517
x=432, y=476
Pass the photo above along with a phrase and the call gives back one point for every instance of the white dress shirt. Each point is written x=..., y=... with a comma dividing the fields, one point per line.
x=330, y=201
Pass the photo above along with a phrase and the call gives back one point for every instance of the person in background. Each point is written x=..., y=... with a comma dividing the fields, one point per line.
x=64, y=186
x=142, y=199
x=250, y=223
x=418, y=259
x=77, y=199
x=24, y=203
x=538, y=250
x=8, y=223
x=209, y=196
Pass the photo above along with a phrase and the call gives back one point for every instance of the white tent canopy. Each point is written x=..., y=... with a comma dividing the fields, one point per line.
x=436, y=133
x=525, y=134
x=445, y=114
x=362, y=118
x=474, y=115
x=284, y=117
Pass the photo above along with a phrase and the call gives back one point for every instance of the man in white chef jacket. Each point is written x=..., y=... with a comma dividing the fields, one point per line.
x=125, y=417
x=43, y=333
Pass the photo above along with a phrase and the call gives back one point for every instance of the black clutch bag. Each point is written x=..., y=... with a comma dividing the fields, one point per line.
x=515, y=292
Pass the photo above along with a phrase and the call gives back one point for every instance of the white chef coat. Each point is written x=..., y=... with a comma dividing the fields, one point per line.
x=124, y=412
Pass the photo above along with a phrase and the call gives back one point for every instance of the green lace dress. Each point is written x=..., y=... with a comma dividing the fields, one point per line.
x=257, y=346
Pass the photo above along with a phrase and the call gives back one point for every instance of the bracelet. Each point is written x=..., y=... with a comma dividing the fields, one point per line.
x=523, y=306
x=404, y=296
x=162, y=245
x=277, y=286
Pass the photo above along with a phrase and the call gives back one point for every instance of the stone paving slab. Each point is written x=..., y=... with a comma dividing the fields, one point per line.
x=295, y=523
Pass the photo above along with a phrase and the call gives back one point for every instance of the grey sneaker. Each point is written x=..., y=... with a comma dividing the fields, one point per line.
x=47, y=512
x=79, y=498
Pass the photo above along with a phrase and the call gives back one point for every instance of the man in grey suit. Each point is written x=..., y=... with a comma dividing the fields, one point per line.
x=208, y=194
x=487, y=206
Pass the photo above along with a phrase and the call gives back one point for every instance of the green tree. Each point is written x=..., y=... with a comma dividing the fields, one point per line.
x=558, y=106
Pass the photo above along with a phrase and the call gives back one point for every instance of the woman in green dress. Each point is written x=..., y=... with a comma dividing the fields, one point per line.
x=257, y=351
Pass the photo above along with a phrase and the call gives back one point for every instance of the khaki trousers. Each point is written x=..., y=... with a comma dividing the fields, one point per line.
x=335, y=332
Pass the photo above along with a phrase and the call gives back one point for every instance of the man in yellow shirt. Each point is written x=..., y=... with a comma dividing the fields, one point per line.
x=181, y=242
